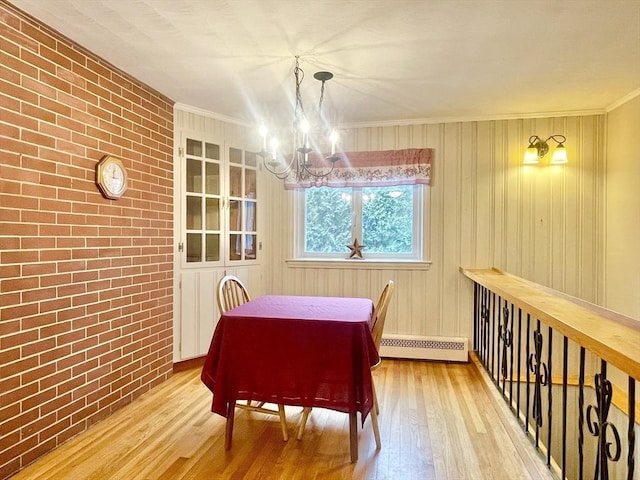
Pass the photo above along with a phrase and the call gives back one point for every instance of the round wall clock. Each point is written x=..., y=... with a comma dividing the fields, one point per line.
x=111, y=177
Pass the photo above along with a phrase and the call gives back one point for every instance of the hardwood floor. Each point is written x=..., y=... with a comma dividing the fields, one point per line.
x=438, y=421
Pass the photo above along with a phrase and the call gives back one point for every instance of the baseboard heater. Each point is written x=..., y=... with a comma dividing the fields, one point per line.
x=453, y=349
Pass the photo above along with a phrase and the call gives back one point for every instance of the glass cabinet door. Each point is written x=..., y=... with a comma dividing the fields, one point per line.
x=203, y=202
x=243, y=225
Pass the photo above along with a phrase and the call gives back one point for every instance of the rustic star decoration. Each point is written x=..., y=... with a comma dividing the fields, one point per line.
x=356, y=250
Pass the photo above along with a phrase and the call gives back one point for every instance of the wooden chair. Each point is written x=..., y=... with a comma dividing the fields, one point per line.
x=231, y=293
x=378, y=318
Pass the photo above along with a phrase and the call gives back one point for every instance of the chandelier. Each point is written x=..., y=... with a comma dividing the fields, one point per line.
x=304, y=161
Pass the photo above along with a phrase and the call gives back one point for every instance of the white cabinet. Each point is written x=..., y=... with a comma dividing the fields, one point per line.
x=216, y=225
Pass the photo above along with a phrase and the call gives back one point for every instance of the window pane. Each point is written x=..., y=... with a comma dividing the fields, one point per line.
x=194, y=147
x=235, y=215
x=212, y=184
x=250, y=159
x=327, y=220
x=249, y=184
x=387, y=219
x=194, y=247
x=213, y=247
x=250, y=247
x=250, y=216
x=194, y=175
x=194, y=213
x=212, y=151
x=235, y=181
x=235, y=155
x=235, y=246
x=212, y=206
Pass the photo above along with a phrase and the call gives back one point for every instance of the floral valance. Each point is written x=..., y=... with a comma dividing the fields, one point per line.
x=382, y=168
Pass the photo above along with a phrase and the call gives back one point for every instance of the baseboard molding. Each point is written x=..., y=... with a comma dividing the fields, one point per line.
x=454, y=349
x=183, y=365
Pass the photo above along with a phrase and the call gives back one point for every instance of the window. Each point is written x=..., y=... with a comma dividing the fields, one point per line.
x=387, y=220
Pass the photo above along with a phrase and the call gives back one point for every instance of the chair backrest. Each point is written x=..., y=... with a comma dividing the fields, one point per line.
x=230, y=293
x=380, y=313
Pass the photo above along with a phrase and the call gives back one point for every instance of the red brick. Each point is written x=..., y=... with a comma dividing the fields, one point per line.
x=38, y=321
x=55, y=354
x=38, y=35
x=18, y=339
x=56, y=404
x=15, y=368
x=55, y=57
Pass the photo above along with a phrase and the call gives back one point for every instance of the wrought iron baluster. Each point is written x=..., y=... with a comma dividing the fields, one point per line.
x=491, y=337
x=476, y=321
x=631, y=432
x=519, y=360
x=498, y=333
x=581, y=416
x=565, y=376
x=549, y=393
x=528, y=348
x=506, y=336
x=541, y=375
x=511, y=360
x=485, y=326
x=599, y=426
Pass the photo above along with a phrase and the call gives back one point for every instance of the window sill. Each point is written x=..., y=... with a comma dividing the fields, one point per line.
x=358, y=264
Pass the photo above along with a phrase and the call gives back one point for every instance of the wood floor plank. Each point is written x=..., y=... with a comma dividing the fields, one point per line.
x=437, y=421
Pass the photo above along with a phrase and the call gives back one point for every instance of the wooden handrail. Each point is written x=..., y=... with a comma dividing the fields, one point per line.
x=613, y=337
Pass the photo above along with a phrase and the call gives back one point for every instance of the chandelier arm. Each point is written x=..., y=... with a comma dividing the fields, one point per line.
x=279, y=175
x=318, y=175
x=272, y=170
x=286, y=169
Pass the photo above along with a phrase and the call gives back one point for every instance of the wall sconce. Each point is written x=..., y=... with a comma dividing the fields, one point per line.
x=538, y=148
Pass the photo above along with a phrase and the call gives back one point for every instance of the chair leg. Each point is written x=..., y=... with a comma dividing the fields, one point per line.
x=283, y=422
x=376, y=405
x=229, y=430
x=303, y=422
x=376, y=430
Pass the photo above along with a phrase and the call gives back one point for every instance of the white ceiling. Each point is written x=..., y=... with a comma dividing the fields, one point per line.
x=392, y=59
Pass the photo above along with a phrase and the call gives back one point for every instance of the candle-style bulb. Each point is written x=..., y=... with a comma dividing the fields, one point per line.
x=304, y=126
x=334, y=141
x=263, y=134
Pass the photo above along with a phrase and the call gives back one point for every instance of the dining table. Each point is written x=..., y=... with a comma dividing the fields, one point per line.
x=307, y=351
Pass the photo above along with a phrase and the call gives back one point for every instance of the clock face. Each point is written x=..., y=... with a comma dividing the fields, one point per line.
x=111, y=177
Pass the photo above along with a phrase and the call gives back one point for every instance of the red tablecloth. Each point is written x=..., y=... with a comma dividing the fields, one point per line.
x=294, y=350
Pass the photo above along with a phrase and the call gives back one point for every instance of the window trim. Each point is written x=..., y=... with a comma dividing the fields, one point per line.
x=416, y=258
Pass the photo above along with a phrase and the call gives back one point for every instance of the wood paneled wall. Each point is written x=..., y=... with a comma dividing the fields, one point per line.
x=486, y=209
x=622, y=207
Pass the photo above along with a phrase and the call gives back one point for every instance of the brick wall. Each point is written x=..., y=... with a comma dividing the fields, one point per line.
x=85, y=282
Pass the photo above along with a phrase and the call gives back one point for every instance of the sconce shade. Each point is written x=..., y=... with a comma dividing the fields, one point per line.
x=559, y=155
x=531, y=155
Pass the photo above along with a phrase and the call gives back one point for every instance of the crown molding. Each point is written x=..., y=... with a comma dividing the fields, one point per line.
x=422, y=121
x=628, y=97
x=216, y=116
x=479, y=118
